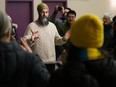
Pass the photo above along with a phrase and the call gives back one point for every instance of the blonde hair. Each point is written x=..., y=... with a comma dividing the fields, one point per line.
x=5, y=24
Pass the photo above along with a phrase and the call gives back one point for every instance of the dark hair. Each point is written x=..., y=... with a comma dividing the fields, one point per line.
x=114, y=23
x=114, y=19
x=71, y=12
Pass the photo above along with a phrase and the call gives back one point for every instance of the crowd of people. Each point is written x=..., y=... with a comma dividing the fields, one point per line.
x=85, y=46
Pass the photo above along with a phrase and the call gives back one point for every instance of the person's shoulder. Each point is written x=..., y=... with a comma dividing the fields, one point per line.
x=33, y=57
x=22, y=54
x=51, y=23
x=89, y=81
x=17, y=49
x=32, y=24
x=81, y=80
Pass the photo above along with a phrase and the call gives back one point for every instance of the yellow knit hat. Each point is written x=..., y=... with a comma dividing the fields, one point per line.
x=42, y=6
x=87, y=32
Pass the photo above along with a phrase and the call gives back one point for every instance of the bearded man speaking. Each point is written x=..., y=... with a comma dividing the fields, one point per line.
x=42, y=36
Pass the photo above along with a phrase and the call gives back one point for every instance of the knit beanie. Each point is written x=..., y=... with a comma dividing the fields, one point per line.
x=42, y=6
x=87, y=32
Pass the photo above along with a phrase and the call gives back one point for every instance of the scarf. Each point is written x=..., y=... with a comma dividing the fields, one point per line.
x=85, y=54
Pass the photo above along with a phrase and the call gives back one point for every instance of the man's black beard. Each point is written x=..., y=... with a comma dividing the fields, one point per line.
x=43, y=21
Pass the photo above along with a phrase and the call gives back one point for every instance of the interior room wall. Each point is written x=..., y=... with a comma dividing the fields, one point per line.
x=36, y=2
x=97, y=7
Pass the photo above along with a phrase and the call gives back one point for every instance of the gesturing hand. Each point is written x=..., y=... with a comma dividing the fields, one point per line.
x=34, y=35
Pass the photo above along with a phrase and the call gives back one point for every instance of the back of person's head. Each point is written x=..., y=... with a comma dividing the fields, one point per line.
x=5, y=24
x=71, y=12
x=114, y=23
x=114, y=19
x=86, y=36
x=41, y=7
x=87, y=32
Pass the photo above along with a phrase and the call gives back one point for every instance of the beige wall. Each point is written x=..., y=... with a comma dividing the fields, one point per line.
x=2, y=5
x=98, y=7
x=36, y=2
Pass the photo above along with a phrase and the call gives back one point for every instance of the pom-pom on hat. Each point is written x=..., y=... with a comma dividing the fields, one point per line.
x=87, y=32
x=42, y=6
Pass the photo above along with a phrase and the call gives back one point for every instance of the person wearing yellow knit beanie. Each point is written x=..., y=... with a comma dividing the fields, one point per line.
x=86, y=65
x=87, y=31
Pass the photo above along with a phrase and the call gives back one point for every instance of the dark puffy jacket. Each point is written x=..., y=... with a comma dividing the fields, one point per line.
x=21, y=69
x=95, y=73
x=107, y=36
x=72, y=75
x=104, y=70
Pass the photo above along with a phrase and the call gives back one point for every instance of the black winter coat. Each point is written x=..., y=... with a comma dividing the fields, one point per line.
x=97, y=73
x=72, y=74
x=104, y=70
x=21, y=69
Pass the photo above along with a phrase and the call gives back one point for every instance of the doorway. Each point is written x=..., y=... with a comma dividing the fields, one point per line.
x=21, y=12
